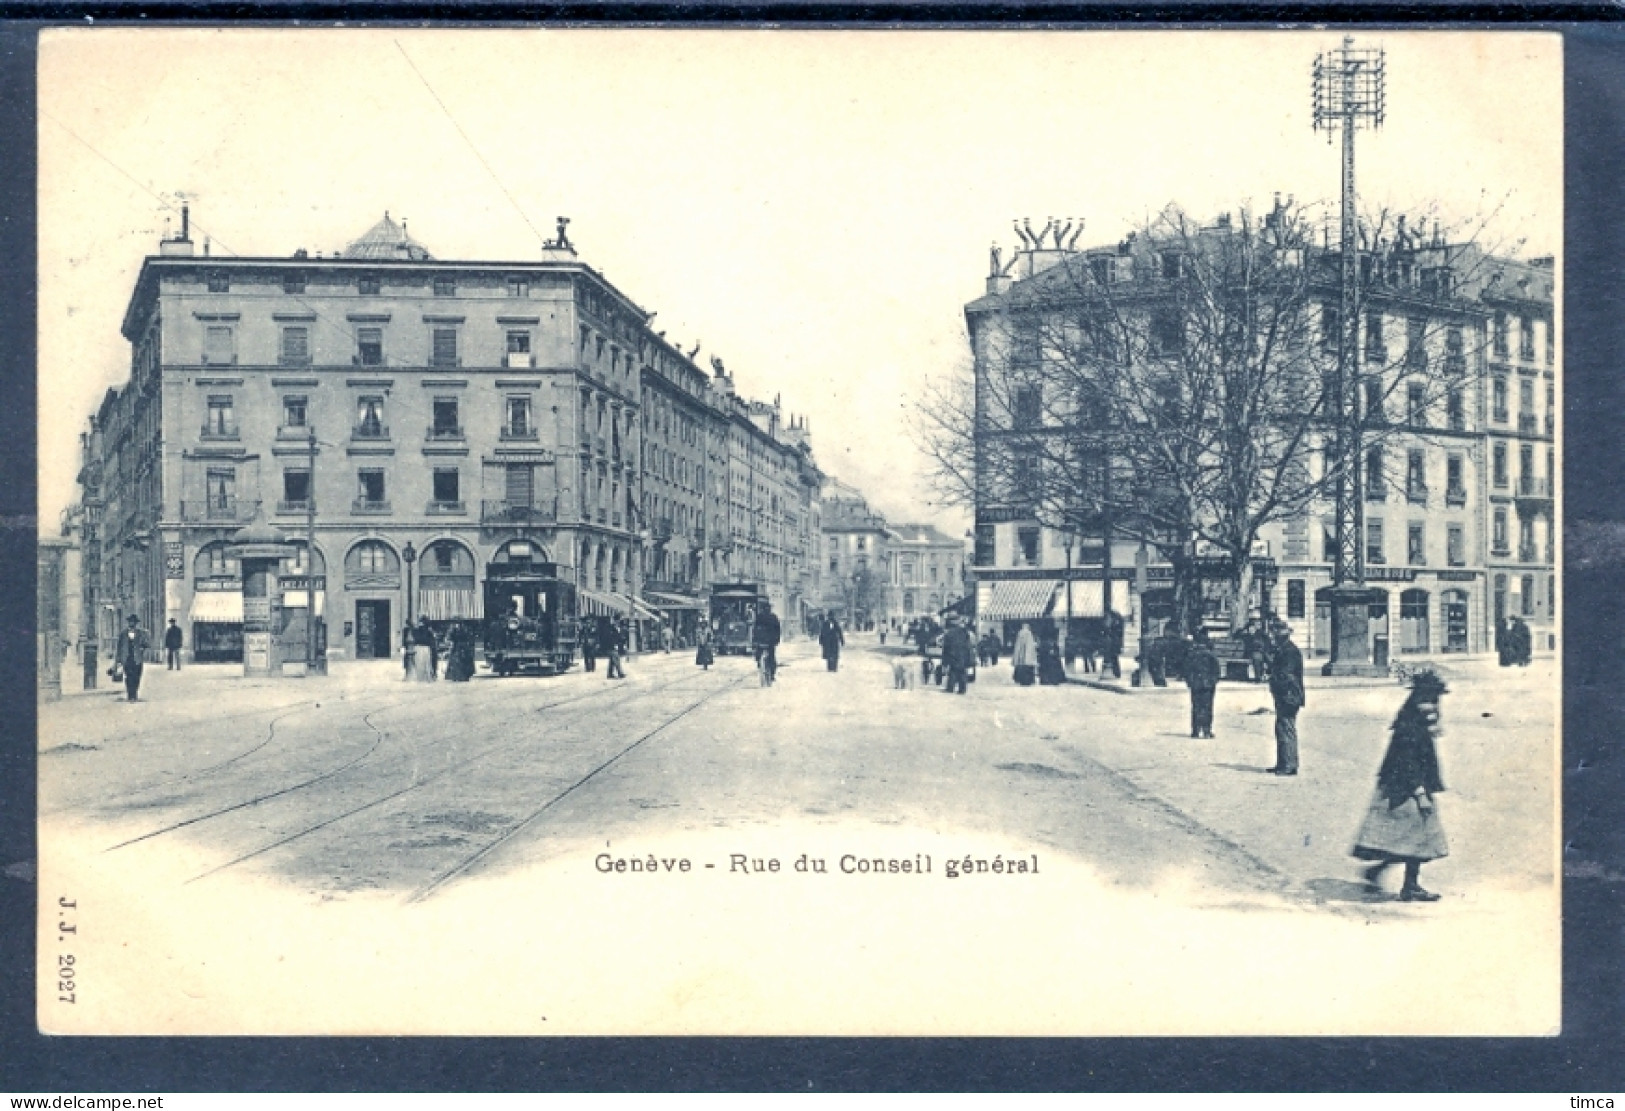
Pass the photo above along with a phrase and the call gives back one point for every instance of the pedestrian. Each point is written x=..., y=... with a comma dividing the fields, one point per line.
x=1202, y=676
x=1111, y=644
x=1024, y=657
x=703, y=655
x=830, y=639
x=665, y=636
x=957, y=655
x=460, y=658
x=1522, y=642
x=1503, y=642
x=172, y=646
x=132, y=656
x=615, y=643
x=426, y=637
x=1255, y=642
x=1050, y=672
x=589, y=645
x=1286, y=686
x=1086, y=651
x=1154, y=660
x=1402, y=826
x=764, y=635
x=883, y=636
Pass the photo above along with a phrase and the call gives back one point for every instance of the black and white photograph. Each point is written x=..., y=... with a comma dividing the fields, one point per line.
x=805, y=532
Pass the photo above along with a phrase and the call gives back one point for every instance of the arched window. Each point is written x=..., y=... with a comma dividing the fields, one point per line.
x=1413, y=621
x=371, y=558
x=298, y=566
x=213, y=563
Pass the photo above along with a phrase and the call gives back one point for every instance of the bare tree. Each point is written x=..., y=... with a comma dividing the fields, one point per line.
x=1181, y=386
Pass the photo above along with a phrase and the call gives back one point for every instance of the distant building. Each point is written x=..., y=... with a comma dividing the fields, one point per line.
x=927, y=570
x=877, y=571
x=439, y=414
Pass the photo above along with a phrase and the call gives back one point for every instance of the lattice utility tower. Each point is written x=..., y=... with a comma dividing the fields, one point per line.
x=1348, y=96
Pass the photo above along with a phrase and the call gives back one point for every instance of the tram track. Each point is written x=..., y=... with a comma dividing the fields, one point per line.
x=507, y=837
x=631, y=694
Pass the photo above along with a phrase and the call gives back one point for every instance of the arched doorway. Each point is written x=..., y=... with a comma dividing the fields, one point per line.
x=1453, y=609
x=372, y=576
x=1413, y=620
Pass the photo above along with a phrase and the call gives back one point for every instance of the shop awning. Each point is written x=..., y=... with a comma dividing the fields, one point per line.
x=595, y=604
x=447, y=605
x=295, y=599
x=1086, y=600
x=643, y=610
x=1017, y=600
x=671, y=601
x=218, y=607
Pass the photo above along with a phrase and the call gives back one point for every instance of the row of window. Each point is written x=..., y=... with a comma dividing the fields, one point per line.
x=370, y=285
x=1527, y=416
x=294, y=347
x=446, y=421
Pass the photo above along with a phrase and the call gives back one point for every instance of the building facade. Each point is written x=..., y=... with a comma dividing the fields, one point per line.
x=431, y=416
x=1455, y=358
x=880, y=572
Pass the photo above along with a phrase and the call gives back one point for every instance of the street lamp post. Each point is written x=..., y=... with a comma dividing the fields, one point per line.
x=410, y=554
x=311, y=662
x=1349, y=94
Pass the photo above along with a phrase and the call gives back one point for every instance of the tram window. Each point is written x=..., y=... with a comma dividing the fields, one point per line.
x=516, y=604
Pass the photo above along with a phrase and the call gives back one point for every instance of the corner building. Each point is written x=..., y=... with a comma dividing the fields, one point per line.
x=436, y=415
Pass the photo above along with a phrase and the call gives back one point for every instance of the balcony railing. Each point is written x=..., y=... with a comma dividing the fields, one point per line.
x=224, y=510
x=510, y=432
x=296, y=506
x=445, y=508
x=285, y=359
x=1416, y=495
x=508, y=512
x=1527, y=555
x=370, y=432
x=219, y=431
x=1455, y=495
x=444, y=432
x=517, y=360
x=369, y=505
x=1529, y=487
x=1526, y=423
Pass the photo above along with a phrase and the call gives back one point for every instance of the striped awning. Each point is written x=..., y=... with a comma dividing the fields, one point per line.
x=1017, y=600
x=448, y=605
x=644, y=611
x=671, y=601
x=218, y=607
x=1086, y=599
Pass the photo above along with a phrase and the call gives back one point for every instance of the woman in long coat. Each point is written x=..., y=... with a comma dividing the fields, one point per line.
x=1402, y=826
x=460, y=661
x=1024, y=657
x=703, y=656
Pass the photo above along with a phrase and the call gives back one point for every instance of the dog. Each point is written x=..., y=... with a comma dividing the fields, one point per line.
x=902, y=676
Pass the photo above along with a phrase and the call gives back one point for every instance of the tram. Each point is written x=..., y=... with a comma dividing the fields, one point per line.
x=530, y=618
x=733, y=616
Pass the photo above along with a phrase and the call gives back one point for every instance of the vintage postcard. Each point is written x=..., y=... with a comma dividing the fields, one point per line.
x=799, y=532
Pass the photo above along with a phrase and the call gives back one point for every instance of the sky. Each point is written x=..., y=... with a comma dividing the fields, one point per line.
x=815, y=207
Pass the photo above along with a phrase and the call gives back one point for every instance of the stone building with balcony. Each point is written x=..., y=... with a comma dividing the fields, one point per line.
x=433, y=416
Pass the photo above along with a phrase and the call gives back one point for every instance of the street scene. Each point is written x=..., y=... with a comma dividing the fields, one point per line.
x=1185, y=570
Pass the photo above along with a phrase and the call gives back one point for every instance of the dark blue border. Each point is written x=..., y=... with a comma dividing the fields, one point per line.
x=1585, y=1059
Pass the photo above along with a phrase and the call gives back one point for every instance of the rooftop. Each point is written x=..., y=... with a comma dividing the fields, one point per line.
x=387, y=240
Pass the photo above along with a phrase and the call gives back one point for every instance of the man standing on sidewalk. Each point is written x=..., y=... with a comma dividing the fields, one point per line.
x=1111, y=636
x=957, y=655
x=1286, y=685
x=1202, y=676
x=615, y=641
x=132, y=656
x=172, y=646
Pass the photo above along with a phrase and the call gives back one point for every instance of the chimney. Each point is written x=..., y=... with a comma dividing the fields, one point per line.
x=181, y=245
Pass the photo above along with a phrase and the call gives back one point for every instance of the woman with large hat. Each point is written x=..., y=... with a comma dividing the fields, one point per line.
x=1402, y=826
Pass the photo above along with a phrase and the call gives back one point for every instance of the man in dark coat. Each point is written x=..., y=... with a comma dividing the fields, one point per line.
x=615, y=642
x=765, y=635
x=1202, y=676
x=830, y=638
x=426, y=637
x=1504, y=636
x=172, y=646
x=132, y=656
x=1522, y=642
x=957, y=655
x=1111, y=646
x=1286, y=686
x=589, y=645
